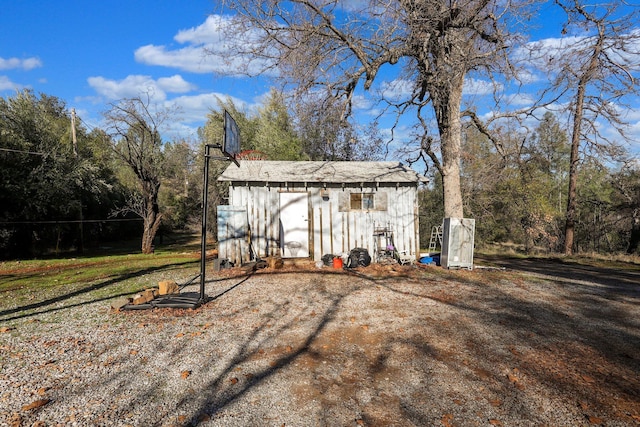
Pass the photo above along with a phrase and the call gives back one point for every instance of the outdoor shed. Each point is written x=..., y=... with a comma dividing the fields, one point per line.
x=308, y=209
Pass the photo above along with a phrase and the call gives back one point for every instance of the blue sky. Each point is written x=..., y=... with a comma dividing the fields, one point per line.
x=92, y=53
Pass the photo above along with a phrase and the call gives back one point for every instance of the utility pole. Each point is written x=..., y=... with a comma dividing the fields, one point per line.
x=74, y=140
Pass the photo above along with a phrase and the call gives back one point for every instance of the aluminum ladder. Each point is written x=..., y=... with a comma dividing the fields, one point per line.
x=436, y=238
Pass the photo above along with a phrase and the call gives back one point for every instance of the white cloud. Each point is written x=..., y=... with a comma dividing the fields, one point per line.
x=134, y=85
x=354, y=5
x=193, y=110
x=479, y=87
x=196, y=107
x=360, y=102
x=402, y=89
x=396, y=90
x=211, y=32
x=521, y=100
x=528, y=77
x=6, y=84
x=550, y=53
x=191, y=58
x=16, y=63
x=175, y=84
x=543, y=53
x=208, y=49
x=634, y=133
x=632, y=114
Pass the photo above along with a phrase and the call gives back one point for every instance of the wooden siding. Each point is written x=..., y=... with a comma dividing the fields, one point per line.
x=232, y=234
x=333, y=227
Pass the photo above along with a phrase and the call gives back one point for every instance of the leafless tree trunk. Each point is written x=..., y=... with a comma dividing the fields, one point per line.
x=574, y=159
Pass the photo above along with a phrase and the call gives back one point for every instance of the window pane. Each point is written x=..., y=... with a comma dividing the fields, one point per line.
x=367, y=201
x=356, y=201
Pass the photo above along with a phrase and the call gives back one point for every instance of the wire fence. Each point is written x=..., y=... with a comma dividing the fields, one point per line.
x=20, y=239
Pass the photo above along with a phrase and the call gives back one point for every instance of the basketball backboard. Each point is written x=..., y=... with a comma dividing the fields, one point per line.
x=231, y=139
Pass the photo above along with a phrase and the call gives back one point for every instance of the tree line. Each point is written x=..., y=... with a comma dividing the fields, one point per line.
x=520, y=196
x=520, y=172
x=126, y=180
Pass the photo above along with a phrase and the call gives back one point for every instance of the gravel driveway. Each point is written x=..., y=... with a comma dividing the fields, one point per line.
x=401, y=346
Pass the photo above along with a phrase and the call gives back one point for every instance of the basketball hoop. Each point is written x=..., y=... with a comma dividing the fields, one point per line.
x=251, y=155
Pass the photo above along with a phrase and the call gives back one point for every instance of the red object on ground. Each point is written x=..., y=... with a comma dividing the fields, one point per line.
x=337, y=262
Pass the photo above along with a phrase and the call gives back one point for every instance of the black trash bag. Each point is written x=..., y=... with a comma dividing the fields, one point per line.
x=327, y=259
x=358, y=257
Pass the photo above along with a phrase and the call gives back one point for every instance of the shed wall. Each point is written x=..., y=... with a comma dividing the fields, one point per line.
x=334, y=228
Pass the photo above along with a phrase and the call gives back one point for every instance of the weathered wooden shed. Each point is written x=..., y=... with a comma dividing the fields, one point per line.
x=308, y=209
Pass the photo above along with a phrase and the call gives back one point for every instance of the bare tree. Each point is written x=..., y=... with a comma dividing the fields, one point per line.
x=134, y=128
x=336, y=47
x=597, y=72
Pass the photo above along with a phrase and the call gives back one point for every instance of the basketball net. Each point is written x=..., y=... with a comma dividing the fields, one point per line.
x=251, y=155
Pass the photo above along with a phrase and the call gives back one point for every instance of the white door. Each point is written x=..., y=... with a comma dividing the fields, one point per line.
x=294, y=225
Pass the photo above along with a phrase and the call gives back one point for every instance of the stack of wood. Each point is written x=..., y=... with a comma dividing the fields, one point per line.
x=165, y=287
x=144, y=297
x=274, y=262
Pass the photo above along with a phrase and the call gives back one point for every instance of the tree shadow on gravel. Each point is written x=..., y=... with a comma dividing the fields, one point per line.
x=224, y=388
x=217, y=394
x=579, y=343
x=459, y=348
x=532, y=347
x=613, y=282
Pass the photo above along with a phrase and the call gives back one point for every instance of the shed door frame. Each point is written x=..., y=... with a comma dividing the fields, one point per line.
x=294, y=224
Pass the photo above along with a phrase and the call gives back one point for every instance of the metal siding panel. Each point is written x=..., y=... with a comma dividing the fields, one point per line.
x=343, y=200
x=344, y=226
x=400, y=220
x=294, y=211
x=381, y=201
x=319, y=230
x=406, y=220
x=319, y=224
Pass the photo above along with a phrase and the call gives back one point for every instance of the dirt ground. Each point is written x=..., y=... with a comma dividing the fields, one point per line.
x=379, y=346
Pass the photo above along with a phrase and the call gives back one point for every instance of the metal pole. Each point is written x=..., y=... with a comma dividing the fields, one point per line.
x=205, y=202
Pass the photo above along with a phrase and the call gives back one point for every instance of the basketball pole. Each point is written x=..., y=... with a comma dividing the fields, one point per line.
x=205, y=207
x=229, y=152
x=205, y=204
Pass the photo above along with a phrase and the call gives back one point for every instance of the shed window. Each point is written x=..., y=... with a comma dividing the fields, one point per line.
x=348, y=201
x=362, y=201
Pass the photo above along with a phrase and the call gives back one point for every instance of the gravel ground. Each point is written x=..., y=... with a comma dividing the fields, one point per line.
x=388, y=345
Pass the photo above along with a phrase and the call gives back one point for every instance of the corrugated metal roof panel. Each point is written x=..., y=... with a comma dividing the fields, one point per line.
x=329, y=171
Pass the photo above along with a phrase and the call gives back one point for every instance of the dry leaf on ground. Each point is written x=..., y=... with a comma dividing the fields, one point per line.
x=36, y=404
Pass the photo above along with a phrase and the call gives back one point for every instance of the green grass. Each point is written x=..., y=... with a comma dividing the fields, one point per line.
x=26, y=282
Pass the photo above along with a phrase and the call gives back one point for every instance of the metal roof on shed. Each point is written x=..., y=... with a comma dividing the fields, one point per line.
x=326, y=171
